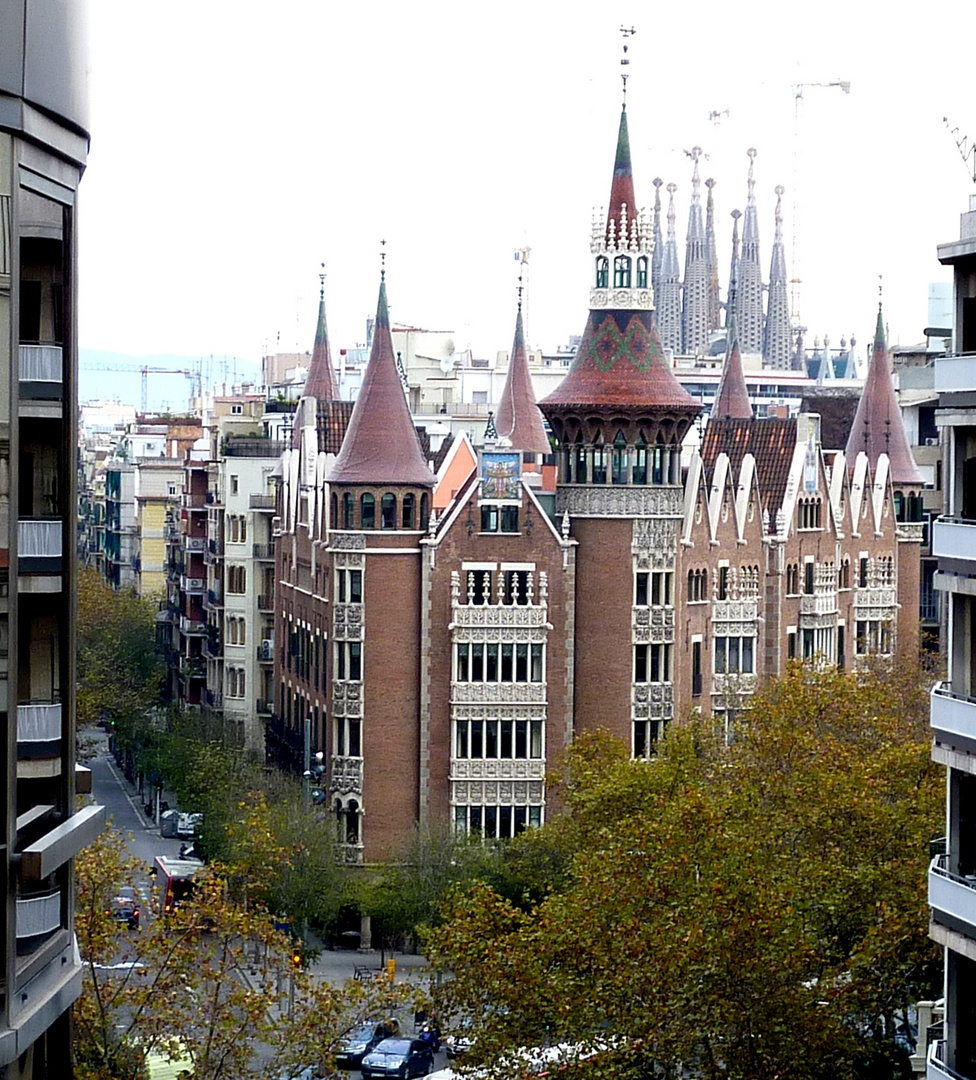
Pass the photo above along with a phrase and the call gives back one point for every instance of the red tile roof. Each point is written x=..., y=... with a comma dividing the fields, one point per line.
x=622, y=186
x=320, y=382
x=771, y=442
x=381, y=444
x=878, y=427
x=732, y=399
x=518, y=418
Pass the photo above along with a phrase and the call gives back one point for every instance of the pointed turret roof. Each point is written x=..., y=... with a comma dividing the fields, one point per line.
x=878, y=427
x=732, y=399
x=381, y=445
x=320, y=383
x=622, y=187
x=519, y=419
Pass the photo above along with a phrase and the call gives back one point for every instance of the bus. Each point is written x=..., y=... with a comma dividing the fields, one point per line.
x=174, y=877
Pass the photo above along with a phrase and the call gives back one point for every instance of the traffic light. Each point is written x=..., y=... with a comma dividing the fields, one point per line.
x=296, y=957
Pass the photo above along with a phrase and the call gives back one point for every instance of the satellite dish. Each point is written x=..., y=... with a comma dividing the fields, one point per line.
x=447, y=365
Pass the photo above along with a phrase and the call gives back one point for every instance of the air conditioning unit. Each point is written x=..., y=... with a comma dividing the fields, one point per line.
x=932, y=442
x=267, y=649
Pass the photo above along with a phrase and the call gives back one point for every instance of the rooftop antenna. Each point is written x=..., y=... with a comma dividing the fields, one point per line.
x=624, y=60
x=966, y=148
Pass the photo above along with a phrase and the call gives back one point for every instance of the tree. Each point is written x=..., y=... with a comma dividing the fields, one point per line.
x=754, y=909
x=214, y=978
x=119, y=672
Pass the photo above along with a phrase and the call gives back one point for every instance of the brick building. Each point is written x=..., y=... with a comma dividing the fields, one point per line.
x=443, y=660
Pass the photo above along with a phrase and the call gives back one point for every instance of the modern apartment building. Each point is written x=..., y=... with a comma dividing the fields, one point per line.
x=952, y=876
x=43, y=149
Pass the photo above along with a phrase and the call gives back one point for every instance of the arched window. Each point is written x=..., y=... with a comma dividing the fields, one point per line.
x=642, y=272
x=409, y=501
x=335, y=511
x=899, y=506
x=352, y=822
x=618, y=460
x=347, y=511
x=602, y=272
x=424, y=509
x=621, y=272
x=640, y=460
x=367, y=512
x=388, y=511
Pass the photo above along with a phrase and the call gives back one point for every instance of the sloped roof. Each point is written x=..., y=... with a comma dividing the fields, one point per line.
x=320, y=382
x=332, y=420
x=518, y=418
x=620, y=362
x=381, y=444
x=771, y=442
x=878, y=427
x=732, y=399
x=836, y=406
x=622, y=186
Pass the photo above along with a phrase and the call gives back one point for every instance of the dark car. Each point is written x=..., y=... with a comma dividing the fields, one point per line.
x=400, y=1058
x=125, y=907
x=359, y=1040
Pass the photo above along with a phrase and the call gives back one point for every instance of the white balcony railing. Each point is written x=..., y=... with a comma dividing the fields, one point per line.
x=951, y=894
x=40, y=363
x=39, y=539
x=953, y=539
x=39, y=722
x=955, y=374
x=952, y=714
x=38, y=915
x=935, y=1066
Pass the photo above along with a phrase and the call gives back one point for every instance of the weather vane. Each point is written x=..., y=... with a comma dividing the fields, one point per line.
x=322, y=281
x=624, y=60
x=383, y=259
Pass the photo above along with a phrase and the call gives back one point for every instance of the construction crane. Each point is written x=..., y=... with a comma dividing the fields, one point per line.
x=145, y=370
x=966, y=148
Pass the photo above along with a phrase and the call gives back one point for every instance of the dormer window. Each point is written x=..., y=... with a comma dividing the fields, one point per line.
x=642, y=272
x=602, y=272
x=621, y=272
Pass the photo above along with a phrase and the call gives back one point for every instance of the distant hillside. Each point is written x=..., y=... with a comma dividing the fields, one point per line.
x=112, y=376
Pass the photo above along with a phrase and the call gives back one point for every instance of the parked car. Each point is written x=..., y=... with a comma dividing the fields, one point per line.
x=460, y=1040
x=399, y=1058
x=358, y=1041
x=125, y=907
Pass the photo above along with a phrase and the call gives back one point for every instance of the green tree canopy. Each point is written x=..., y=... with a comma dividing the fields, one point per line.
x=752, y=910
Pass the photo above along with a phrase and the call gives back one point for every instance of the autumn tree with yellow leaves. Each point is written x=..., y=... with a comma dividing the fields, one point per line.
x=748, y=910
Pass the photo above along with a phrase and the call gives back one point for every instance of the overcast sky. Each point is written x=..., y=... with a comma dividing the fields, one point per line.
x=235, y=147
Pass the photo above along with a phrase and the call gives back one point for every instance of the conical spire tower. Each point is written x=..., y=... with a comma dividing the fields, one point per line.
x=714, y=297
x=878, y=427
x=777, y=344
x=694, y=316
x=732, y=296
x=732, y=399
x=320, y=383
x=657, y=256
x=749, y=290
x=518, y=419
x=381, y=445
x=668, y=296
x=620, y=371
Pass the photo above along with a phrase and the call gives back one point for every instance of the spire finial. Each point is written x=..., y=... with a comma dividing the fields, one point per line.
x=779, y=189
x=625, y=60
x=322, y=282
x=750, y=180
x=672, y=188
x=696, y=153
x=520, y=292
x=382, y=260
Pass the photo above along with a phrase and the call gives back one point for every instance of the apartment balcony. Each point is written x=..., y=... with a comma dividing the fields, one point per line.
x=41, y=377
x=262, y=502
x=952, y=898
x=214, y=699
x=935, y=1066
x=193, y=667
x=264, y=551
x=39, y=729
x=39, y=545
x=265, y=603
x=194, y=543
x=952, y=716
x=37, y=918
x=818, y=604
x=955, y=374
x=253, y=448
x=263, y=707
x=954, y=538
x=192, y=584
x=192, y=627
x=214, y=599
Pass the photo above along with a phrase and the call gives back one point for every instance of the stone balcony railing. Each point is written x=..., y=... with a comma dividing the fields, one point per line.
x=346, y=775
x=819, y=603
